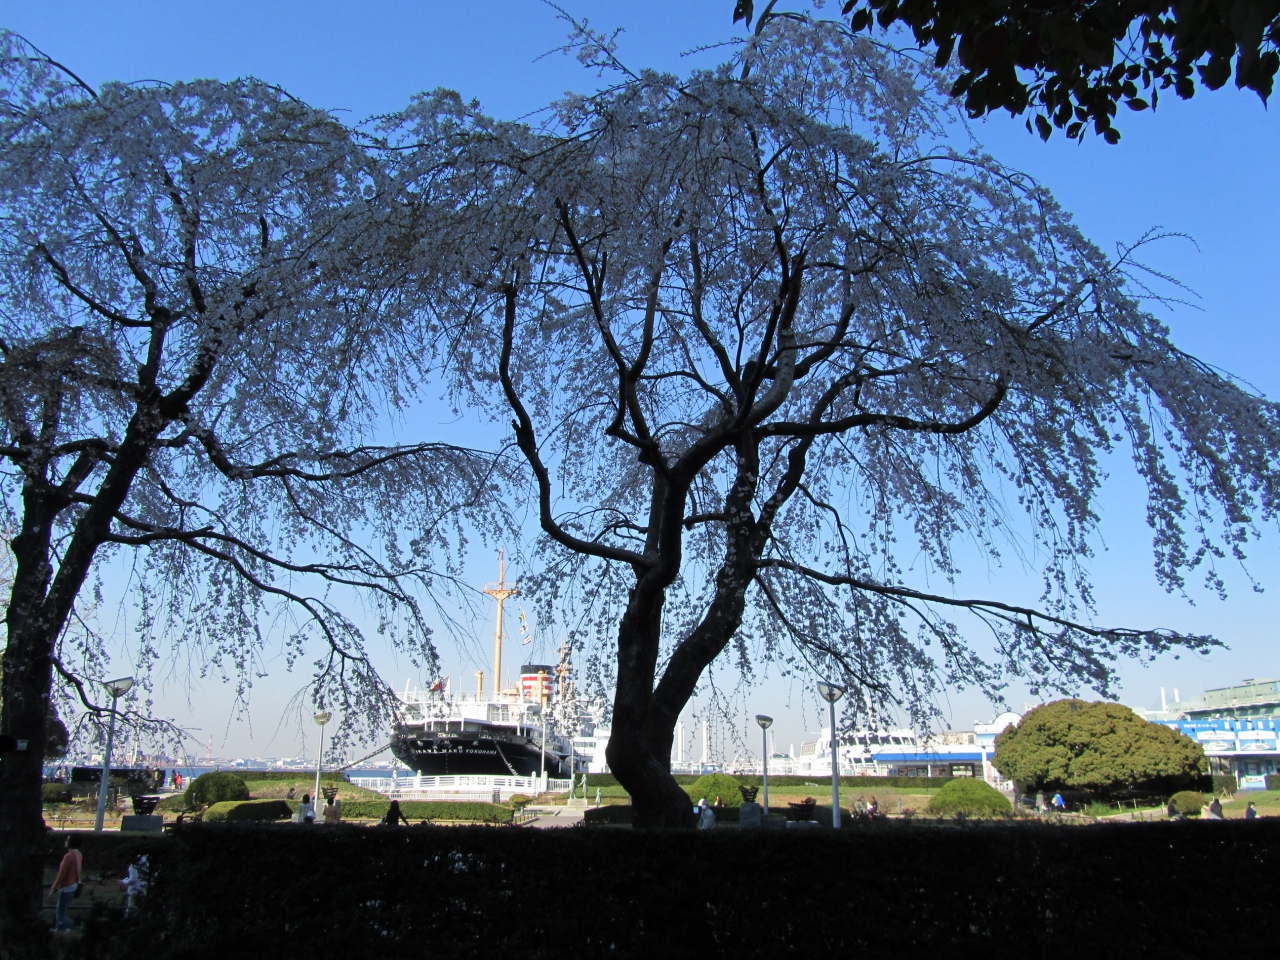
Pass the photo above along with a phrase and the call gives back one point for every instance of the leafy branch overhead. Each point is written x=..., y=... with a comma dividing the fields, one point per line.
x=1072, y=63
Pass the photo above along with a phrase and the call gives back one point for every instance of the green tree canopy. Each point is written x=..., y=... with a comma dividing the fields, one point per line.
x=1098, y=747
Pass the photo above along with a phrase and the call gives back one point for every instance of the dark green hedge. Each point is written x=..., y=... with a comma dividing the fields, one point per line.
x=622, y=813
x=297, y=775
x=1273, y=781
x=475, y=811
x=233, y=810
x=56, y=793
x=749, y=780
x=1225, y=783
x=899, y=890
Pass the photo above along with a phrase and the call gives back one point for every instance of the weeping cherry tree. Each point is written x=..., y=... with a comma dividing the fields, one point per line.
x=762, y=331
x=198, y=357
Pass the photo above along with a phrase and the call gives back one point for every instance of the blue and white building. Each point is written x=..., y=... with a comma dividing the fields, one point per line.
x=1236, y=726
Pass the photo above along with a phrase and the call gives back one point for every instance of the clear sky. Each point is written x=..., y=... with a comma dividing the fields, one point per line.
x=1204, y=168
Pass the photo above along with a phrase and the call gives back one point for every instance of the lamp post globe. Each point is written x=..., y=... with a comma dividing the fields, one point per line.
x=832, y=692
x=765, y=723
x=117, y=689
x=321, y=718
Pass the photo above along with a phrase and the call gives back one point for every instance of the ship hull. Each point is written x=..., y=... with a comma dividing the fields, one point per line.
x=434, y=756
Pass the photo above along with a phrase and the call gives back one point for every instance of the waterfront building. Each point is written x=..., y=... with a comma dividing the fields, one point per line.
x=1236, y=726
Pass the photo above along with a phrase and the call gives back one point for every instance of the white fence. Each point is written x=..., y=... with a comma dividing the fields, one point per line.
x=460, y=788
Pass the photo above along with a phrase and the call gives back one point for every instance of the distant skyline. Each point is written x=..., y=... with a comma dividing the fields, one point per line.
x=1204, y=168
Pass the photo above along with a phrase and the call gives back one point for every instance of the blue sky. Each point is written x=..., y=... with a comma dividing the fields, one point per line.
x=1203, y=168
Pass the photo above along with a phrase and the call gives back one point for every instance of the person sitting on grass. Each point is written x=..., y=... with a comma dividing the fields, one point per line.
x=66, y=883
x=1059, y=805
x=1251, y=812
x=306, y=810
x=394, y=817
x=332, y=810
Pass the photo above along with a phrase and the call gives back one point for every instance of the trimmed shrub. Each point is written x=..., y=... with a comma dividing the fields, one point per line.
x=974, y=798
x=214, y=788
x=901, y=890
x=616, y=813
x=780, y=780
x=714, y=785
x=623, y=813
x=240, y=810
x=465, y=810
x=1188, y=802
x=1225, y=784
x=288, y=775
x=519, y=800
x=1273, y=781
x=55, y=793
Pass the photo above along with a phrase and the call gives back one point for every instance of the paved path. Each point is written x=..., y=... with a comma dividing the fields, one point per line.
x=550, y=817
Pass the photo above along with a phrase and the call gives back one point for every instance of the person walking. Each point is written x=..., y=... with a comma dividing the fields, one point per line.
x=66, y=883
x=306, y=810
x=1059, y=805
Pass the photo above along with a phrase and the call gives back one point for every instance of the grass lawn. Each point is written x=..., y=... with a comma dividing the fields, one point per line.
x=279, y=789
x=1267, y=802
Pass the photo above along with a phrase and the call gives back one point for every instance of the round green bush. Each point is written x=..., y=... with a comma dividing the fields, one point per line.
x=972, y=797
x=712, y=785
x=1188, y=802
x=519, y=800
x=214, y=788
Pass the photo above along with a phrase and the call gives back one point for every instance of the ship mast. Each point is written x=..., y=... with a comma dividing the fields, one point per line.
x=500, y=591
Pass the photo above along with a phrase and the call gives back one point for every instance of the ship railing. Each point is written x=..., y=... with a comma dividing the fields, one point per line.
x=484, y=788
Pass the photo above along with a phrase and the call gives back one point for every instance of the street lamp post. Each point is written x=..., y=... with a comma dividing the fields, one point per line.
x=320, y=718
x=765, y=724
x=831, y=693
x=117, y=689
x=537, y=711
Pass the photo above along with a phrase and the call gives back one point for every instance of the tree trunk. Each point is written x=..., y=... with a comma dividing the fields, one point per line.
x=27, y=678
x=656, y=798
x=645, y=715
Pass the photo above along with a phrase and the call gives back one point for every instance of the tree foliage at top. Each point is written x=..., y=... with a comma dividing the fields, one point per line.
x=773, y=352
x=1074, y=62
x=1101, y=746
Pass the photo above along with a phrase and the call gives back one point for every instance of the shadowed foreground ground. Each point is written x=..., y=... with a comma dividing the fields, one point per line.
x=876, y=890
